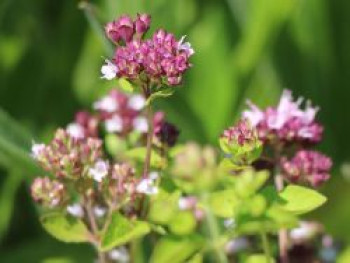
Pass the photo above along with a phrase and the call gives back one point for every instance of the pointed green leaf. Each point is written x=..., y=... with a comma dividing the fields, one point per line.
x=122, y=230
x=65, y=228
x=125, y=85
x=301, y=200
x=176, y=249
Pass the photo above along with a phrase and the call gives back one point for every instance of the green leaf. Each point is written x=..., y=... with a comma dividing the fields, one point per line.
x=163, y=93
x=122, y=230
x=65, y=228
x=259, y=258
x=183, y=223
x=114, y=144
x=223, y=203
x=301, y=200
x=7, y=199
x=176, y=249
x=125, y=85
x=165, y=202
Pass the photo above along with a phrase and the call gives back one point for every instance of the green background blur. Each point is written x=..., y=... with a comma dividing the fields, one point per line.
x=50, y=58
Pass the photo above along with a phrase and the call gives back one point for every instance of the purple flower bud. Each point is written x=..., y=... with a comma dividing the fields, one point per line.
x=167, y=133
x=121, y=29
x=142, y=23
x=307, y=167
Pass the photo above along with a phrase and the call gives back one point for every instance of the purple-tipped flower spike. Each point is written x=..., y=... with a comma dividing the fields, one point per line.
x=47, y=192
x=287, y=122
x=142, y=23
x=307, y=167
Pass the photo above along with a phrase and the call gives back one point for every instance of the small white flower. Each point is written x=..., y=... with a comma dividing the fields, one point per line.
x=109, y=70
x=75, y=130
x=186, y=46
x=146, y=186
x=153, y=175
x=137, y=102
x=108, y=104
x=228, y=223
x=120, y=255
x=99, y=211
x=114, y=124
x=183, y=203
x=75, y=210
x=37, y=150
x=99, y=171
x=304, y=232
x=140, y=124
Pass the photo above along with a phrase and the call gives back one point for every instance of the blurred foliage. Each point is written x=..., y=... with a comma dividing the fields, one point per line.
x=51, y=53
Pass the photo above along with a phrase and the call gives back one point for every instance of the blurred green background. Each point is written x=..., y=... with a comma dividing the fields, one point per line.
x=50, y=58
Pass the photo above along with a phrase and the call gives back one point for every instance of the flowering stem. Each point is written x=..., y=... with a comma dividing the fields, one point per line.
x=147, y=163
x=266, y=247
x=283, y=233
x=94, y=228
x=213, y=231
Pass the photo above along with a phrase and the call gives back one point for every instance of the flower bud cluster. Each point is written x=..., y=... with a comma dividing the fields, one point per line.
x=241, y=143
x=66, y=156
x=287, y=122
x=308, y=167
x=159, y=60
x=84, y=125
x=49, y=193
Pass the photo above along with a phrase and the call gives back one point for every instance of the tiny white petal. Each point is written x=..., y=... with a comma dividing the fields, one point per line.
x=37, y=150
x=75, y=210
x=140, y=124
x=183, y=204
x=228, y=223
x=146, y=186
x=99, y=211
x=186, y=46
x=109, y=70
x=75, y=130
x=108, y=104
x=137, y=102
x=99, y=171
x=115, y=124
x=120, y=254
x=153, y=175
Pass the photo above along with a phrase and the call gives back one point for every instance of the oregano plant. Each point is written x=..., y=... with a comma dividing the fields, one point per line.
x=116, y=177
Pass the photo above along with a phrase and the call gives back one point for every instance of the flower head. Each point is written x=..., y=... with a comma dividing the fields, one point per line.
x=109, y=70
x=47, y=192
x=287, y=122
x=308, y=167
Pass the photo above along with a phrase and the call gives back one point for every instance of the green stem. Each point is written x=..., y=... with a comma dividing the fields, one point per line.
x=214, y=233
x=266, y=247
x=147, y=163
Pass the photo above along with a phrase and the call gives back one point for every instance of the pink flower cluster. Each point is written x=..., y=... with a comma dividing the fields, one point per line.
x=308, y=167
x=159, y=60
x=287, y=122
x=242, y=133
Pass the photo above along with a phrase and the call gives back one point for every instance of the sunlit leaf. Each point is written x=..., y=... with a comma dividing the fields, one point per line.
x=65, y=228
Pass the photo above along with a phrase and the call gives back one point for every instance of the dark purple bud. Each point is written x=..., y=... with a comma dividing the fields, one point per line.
x=168, y=134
